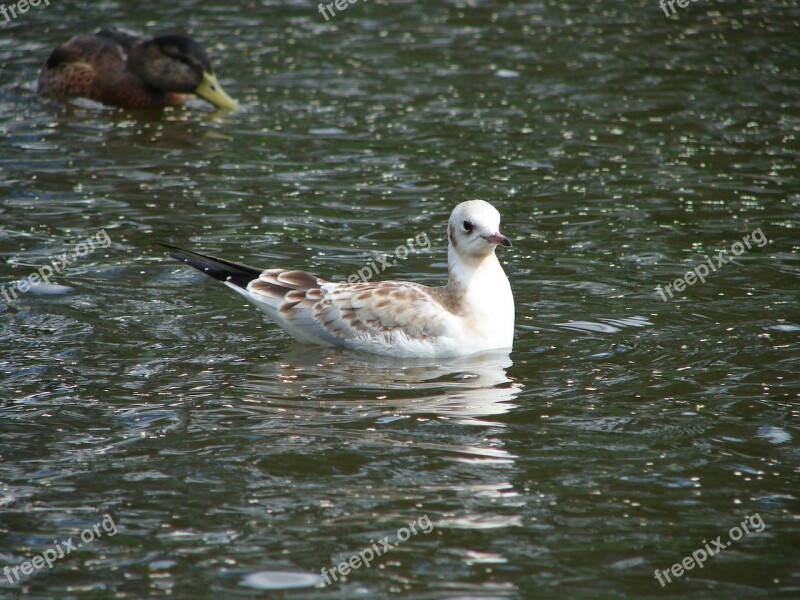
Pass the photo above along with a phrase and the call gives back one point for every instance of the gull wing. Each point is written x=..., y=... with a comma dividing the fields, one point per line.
x=388, y=316
x=350, y=314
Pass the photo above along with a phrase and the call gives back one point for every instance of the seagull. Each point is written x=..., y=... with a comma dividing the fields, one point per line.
x=472, y=313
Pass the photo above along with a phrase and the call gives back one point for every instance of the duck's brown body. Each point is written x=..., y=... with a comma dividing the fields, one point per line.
x=130, y=71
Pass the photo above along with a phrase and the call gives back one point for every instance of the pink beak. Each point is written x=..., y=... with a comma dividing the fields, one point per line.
x=500, y=239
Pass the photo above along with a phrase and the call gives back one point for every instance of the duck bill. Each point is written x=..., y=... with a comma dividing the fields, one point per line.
x=210, y=89
x=499, y=239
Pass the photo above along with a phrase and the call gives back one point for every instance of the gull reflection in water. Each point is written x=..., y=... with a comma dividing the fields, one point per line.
x=463, y=388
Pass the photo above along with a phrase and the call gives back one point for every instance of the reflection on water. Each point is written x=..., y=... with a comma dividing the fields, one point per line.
x=607, y=325
x=465, y=387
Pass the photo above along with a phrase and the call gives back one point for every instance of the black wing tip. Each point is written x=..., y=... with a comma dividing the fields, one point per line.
x=219, y=269
x=179, y=253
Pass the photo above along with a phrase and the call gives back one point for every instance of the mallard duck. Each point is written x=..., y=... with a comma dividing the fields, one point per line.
x=132, y=71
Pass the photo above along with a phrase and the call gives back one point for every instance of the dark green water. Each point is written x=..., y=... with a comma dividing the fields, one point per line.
x=623, y=432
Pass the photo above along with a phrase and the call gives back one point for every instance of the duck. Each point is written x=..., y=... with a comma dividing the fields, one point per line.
x=471, y=314
x=127, y=70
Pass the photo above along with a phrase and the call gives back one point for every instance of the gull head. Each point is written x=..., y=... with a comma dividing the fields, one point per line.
x=474, y=229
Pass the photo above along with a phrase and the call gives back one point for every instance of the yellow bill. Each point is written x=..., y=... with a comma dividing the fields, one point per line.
x=210, y=89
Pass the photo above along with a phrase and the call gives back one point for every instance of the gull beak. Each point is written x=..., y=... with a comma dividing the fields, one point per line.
x=210, y=89
x=500, y=239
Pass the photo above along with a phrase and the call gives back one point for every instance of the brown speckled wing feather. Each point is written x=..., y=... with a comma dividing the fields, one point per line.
x=380, y=309
x=337, y=312
x=285, y=289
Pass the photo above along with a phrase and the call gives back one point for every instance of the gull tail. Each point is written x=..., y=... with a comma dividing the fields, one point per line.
x=222, y=270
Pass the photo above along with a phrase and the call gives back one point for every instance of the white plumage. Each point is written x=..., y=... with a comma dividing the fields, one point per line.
x=473, y=312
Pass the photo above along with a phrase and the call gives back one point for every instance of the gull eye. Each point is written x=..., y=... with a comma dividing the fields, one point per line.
x=467, y=226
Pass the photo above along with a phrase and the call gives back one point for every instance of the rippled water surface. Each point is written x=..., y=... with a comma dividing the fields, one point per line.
x=623, y=432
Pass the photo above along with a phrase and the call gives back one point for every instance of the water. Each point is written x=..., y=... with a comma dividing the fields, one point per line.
x=623, y=432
